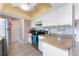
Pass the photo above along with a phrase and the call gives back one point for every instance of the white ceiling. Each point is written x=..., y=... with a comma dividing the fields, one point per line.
x=54, y=7
x=31, y=5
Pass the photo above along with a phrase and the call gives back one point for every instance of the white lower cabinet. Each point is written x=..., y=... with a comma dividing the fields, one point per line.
x=40, y=46
x=49, y=50
x=29, y=40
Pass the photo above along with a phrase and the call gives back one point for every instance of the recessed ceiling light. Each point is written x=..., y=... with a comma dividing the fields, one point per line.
x=15, y=4
x=25, y=7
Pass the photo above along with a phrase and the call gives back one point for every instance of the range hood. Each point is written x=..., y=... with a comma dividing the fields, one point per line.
x=39, y=23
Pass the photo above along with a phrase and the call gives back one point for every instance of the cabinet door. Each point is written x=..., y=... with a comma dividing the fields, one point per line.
x=29, y=40
x=76, y=11
x=49, y=19
x=40, y=45
x=50, y=50
x=58, y=17
x=64, y=15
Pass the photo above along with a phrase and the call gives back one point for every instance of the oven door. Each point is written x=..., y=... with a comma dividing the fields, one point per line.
x=35, y=41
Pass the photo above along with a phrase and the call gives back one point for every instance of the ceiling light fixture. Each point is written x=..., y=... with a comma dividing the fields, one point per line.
x=25, y=7
x=15, y=4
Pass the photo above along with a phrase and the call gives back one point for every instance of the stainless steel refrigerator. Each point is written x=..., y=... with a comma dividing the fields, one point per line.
x=4, y=34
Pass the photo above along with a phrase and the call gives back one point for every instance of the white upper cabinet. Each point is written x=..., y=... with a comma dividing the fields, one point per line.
x=76, y=11
x=59, y=16
x=47, y=19
x=64, y=15
x=50, y=19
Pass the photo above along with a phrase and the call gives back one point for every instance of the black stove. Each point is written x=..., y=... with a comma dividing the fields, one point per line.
x=35, y=39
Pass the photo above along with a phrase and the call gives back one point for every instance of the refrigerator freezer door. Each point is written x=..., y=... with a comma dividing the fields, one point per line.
x=2, y=27
x=4, y=33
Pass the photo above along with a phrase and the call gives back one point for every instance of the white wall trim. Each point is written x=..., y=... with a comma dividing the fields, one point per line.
x=5, y=13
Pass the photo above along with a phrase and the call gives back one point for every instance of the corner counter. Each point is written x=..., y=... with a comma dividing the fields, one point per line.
x=52, y=46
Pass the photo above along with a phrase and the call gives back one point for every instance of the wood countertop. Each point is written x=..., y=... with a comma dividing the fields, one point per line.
x=64, y=43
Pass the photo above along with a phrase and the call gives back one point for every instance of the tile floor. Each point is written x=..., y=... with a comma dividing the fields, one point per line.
x=19, y=48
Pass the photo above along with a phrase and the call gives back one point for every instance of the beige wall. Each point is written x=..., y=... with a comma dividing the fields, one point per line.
x=1, y=5
x=27, y=27
x=18, y=30
x=15, y=30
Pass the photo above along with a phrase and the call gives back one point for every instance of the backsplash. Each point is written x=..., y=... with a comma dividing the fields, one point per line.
x=63, y=29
